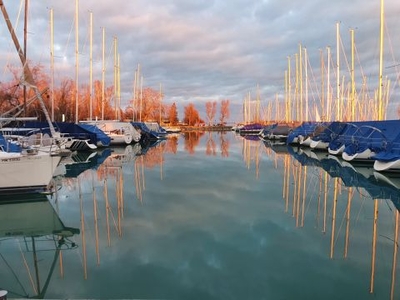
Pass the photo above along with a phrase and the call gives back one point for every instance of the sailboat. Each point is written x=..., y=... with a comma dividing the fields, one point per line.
x=29, y=165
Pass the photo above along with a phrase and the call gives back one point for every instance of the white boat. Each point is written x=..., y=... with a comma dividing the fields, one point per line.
x=393, y=165
x=337, y=151
x=121, y=133
x=26, y=171
x=29, y=167
x=365, y=155
x=172, y=129
x=304, y=141
x=319, y=145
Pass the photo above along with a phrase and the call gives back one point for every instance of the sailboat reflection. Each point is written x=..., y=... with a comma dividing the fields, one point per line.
x=377, y=185
x=368, y=183
x=78, y=162
x=30, y=225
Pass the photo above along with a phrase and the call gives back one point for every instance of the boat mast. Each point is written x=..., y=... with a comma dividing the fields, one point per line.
x=338, y=104
x=103, y=72
x=324, y=117
x=52, y=62
x=119, y=86
x=353, y=85
x=77, y=61
x=289, y=92
x=328, y=86
x=115, y=78
x=306, y=81
x=91, y=66
x=380, y=103
x=160, y=102
x=296, y=89
x=25, y=45
x=301, y=82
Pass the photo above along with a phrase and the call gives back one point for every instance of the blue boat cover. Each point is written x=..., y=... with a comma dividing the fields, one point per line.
x=305, y=129
x=8, y=146
x=79, y=131
x=146, y=132
x=373, y=135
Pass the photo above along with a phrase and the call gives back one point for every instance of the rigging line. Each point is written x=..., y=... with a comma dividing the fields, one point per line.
x=69, y=37
x=86, y=40
x=344, y=53
x=393, y=58
x=313, y=92
x=12, y=271
x=362, y=73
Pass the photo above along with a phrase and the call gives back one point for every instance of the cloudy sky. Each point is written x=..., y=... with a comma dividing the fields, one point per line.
x=202, y=50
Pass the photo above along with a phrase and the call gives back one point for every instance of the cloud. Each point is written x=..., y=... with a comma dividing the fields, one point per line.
x=212, y=50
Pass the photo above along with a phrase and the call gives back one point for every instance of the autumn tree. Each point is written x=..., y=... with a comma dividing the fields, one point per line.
x=173, y=114
x=64, y=105
x=9, y=96
x=225, y=113
x=192, y=116
x=63, y=101
x=148, y=105
x=211, y=110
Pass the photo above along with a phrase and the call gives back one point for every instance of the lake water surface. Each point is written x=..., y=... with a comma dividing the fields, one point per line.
x=205, y=216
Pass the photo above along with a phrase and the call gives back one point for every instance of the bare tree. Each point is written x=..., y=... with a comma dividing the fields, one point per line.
x=211, y=110
x=225, y=113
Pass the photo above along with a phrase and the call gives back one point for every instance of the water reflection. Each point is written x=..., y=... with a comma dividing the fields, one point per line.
x=31, y=227
x=194, y=221
x=336, y=185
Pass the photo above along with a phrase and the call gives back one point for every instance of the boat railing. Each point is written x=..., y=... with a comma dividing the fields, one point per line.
x=347, y=134
x=365, y=137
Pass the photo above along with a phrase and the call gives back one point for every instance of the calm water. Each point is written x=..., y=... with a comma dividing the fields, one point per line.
x=204, y=216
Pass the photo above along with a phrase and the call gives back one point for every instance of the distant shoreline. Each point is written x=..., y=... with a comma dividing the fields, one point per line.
x=205, y=128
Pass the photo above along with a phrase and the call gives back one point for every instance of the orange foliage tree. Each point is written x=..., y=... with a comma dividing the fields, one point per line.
x=64, y=97
x=148, y=105
x=173, y=114
x=191, y=116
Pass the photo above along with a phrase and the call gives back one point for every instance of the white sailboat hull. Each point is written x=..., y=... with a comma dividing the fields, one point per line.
x=386, y=165
x=305, y=141
x=26, y=172
x=121, y=133
x=365, y=155
x=338, y=151
x=318, y=145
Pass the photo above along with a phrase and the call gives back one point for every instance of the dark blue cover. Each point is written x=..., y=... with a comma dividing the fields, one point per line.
x=7, y=146
x=305, y=129
x=146, y=132
x=79, y=131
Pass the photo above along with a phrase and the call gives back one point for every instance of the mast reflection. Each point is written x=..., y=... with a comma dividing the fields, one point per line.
x=336, y=178
x=30, y=225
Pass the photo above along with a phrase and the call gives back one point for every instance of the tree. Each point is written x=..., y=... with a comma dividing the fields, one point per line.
x=148, y=105
x=211, y=110
x=173, y=114
x=64, y=105
x=225, y=113
x=192, y=116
